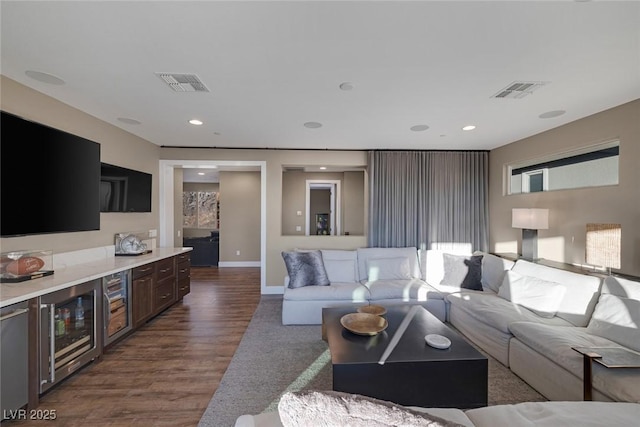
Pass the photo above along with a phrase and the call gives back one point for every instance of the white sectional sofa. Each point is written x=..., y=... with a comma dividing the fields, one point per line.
x=528, y=316
x=396, y=278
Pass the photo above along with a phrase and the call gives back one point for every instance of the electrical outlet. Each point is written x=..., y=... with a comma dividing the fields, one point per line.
x=179, y=233
x=237, y=253
x=153, y=233
x=299, y=213
x=298, y=228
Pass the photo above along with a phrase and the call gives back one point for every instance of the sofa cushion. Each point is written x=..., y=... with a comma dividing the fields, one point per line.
x=462, y=271
x=493, y=270
x=352, y=292
x=540, y=296
x=305, y=268
x=556, y=342
x=580, y=297
x=333, y=408
x=341, y=266
x=402, y=290
x=490, y=309
x=557, y=414
x=617, y=319
x=388, y=268
x=411, y=254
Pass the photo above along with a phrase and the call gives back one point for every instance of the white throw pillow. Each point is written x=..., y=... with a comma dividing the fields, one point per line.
x=337, y=409
x=540, y=296
x=618, y=319
x=388, y=269
x=340, y=270
x=493, y=270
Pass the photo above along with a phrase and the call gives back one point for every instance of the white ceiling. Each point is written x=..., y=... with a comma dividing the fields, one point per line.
x=272, y=66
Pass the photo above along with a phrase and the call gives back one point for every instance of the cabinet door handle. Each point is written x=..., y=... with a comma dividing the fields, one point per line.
x=14, y=313
x=52, y=343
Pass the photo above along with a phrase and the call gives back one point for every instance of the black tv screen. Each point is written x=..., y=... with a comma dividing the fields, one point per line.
x=49, y=179
x=124, y=190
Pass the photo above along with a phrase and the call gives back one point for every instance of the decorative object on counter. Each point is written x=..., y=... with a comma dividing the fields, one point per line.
x=603, y=245
x=18, y=266
x=130, y=244
x=364, y=323
x=437, y=341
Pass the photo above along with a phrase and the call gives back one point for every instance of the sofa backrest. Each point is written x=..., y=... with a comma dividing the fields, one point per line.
x=581, y=294
x=393, y=258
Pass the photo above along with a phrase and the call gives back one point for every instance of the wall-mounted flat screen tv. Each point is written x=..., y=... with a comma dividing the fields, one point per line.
x=49, y=179
x=124, y=190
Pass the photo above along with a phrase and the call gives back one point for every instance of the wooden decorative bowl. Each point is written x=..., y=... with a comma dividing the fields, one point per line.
x=364, y=323
x=378, y=310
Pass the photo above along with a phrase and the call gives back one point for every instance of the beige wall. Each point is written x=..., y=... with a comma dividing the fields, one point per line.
x=275, y=160
x=239, y=216
x=116, y=147
x=353, y=203
x=571, y=210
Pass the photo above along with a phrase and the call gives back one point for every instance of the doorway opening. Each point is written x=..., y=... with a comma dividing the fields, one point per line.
x=323, y=207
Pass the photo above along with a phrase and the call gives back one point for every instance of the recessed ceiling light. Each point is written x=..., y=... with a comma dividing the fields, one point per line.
x=128, y=121
x=469, y=127
x=195, y=122
x=323, y=168
x=201, y=173
x=551, y=114
x=44, y=77
x=346, y=86
x=419, y=128
x=312, y=125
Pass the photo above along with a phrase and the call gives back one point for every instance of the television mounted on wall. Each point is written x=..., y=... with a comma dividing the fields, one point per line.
x=49, y=179
x=124, y=190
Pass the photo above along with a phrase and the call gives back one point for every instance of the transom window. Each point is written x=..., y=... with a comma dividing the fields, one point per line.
x=592, y=166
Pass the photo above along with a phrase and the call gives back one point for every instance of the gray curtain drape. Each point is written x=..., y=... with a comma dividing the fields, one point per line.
x=429, y=199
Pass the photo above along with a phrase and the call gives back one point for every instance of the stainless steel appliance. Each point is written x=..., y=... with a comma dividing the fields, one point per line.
x=116, y=289
x=69, y=333
x=14, y=358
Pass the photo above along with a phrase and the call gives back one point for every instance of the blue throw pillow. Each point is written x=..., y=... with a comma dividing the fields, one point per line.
x=305, y=269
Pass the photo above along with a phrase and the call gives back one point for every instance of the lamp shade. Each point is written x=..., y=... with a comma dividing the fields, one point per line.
x=603, y=245
x=530, y=219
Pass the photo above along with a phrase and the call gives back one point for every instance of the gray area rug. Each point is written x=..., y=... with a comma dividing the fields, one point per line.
x=272, y=358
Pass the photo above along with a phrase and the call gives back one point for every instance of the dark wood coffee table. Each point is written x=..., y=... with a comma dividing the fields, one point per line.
x=413, y=374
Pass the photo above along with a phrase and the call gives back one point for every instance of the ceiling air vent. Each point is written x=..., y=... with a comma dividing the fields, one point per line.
x=518, y=90
x=183, y=82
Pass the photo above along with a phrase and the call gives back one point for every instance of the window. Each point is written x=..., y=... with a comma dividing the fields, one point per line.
x=592, y=166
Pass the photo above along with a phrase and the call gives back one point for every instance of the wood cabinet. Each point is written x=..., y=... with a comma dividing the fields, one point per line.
x=164, y=289
x=142, y=294
x=183, y=279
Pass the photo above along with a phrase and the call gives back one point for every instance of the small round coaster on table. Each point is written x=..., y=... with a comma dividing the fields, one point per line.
x=438, y=341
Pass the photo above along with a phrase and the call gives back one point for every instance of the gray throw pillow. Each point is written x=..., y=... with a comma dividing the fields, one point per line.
x=463, y=271
x=305, y=269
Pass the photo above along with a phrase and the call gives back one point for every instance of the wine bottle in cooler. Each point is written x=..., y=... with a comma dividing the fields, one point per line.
x=79, y=314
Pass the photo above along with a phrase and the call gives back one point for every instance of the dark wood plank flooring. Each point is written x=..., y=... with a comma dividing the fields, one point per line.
x=165, y=373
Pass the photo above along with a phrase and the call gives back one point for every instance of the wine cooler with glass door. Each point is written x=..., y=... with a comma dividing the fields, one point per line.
x=70, y=336
x=116, y=290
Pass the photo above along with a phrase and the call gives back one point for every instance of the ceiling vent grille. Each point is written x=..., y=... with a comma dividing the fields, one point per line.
x=518, y=90
x=183, y=82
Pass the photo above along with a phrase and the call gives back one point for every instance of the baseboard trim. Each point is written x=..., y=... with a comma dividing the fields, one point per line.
x=223, y=264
